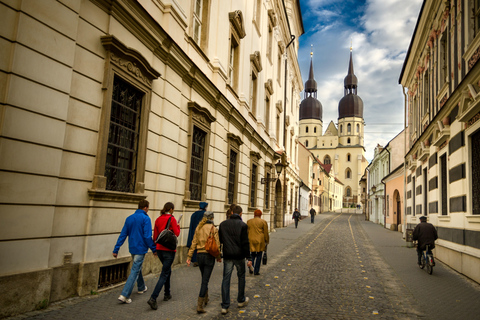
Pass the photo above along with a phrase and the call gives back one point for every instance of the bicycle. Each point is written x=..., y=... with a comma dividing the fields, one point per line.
x=427, y=260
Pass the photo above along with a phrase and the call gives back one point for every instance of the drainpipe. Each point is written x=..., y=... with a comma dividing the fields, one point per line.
x=404, y=231
x=385, y=191
x=367, y=193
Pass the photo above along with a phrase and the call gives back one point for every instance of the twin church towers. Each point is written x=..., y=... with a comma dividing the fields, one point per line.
x=341, y=147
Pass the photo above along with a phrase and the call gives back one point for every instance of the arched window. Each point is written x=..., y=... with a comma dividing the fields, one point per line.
x=348, y=140
x=306, y=129
x=358, y=128
x=341, y=128
x=348, y=157
x=327, y=160
x=306, y=143
x=348, y=174
x=348, y=192
x=349, y=128
x=314, y=129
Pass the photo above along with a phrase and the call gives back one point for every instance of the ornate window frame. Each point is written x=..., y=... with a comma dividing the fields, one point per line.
x=255, y=69
x=254, y=180
x=201, y=118
x=267, y=107
x=269, y=173
x=130, y=66
x=237, y=32
x=202, y=18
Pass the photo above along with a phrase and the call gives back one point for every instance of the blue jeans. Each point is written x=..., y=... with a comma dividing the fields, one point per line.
x=166, y=257
x=135, y=276
x=227, y=275
x=206, y=262
x=257, y=261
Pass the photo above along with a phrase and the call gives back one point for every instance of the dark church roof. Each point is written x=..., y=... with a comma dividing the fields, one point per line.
x=311, y=108
x=351, y=105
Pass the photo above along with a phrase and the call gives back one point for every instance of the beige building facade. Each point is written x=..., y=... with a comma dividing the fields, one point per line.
x=441, y=77
x=105, y=103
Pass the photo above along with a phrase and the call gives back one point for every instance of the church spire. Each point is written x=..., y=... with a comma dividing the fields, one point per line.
x=350, y=81
x=311, y=84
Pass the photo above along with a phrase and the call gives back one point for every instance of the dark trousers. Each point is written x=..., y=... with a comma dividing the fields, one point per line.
x=166, y=257
x=257, y=261
x=313, y=217
x=296, y=223
x=206, y=262
x=227, y=275
x=420, y=252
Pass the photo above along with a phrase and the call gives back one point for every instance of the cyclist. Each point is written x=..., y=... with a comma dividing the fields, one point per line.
x=425, y=234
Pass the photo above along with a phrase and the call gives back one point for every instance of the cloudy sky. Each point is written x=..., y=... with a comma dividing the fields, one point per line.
x=380, y=31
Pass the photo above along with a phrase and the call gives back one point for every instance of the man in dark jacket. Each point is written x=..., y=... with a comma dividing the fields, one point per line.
x=312, y=214
x=195, y=219
x=233, y=234
x=296, y=217
x=426, y=234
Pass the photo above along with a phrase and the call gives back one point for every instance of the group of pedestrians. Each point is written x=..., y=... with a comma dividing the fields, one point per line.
x=241, y=244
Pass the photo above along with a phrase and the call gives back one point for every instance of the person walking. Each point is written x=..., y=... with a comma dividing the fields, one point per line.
x=195, y=219
x=426, y=234
x=206, y=262
x=296, y=217
x=165, y=255
x=312, y=214
x=258, y=238
x=233, y=234
x=138, y=229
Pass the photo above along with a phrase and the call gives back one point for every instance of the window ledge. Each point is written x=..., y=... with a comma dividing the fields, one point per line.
x=473, y=218
x=115, y=196
x=444, y=218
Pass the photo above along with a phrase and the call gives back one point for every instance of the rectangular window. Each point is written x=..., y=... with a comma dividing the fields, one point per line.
x=475, y=173
x=476, y=16
x=414, y=195
x=425, y=193
x=279, y=65
x=122, y=149
x=197, y=21
x=267, y=191
x=253, y=94
x=444, y=186
x=267, y=114
x=232, y=171
x=196, y=165
x=253, y=186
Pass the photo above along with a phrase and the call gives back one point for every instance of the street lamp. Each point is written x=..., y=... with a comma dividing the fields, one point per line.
x=278, y=167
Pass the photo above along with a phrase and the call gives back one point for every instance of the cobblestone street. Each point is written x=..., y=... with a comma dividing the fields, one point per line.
x=338, y=268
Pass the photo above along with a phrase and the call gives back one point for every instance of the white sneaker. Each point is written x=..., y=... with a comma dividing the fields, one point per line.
x=124, y=300
x=244, y=303
x=224, y=311
x=143, y=291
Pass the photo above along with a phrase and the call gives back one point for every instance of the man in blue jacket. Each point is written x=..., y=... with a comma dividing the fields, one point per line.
x=138, y=228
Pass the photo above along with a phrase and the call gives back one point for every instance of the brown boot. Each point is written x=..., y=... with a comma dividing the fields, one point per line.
x=205, y=302
x=200, y=305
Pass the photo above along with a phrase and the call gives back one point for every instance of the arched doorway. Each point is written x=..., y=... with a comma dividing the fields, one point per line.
x=277, y=216
x=397, y=209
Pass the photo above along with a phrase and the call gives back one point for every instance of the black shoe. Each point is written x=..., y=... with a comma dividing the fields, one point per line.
x=257, y=274
x=152, y=303
x=167, y=297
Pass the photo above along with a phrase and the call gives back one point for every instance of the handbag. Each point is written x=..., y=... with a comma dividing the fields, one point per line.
x=264, y=258
x=167, y=238
x=211, y=244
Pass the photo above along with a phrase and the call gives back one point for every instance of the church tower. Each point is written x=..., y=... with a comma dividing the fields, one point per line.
x=350, y=112
x=311, y=112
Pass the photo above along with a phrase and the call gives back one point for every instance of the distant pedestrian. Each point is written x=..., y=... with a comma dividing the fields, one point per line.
x=206, y=261
x=195, y=219
x=312, y=214
x=296, y=217
x=233, y=234
x=165, y=255
x=426, y=234
x=138, y=229
x=258, y=238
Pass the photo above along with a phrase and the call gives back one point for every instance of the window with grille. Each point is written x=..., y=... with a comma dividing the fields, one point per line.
x=475, y=173
x=253, y=185
x=122, y=149
x=267, y=191
x=232, y=171
x=197, y=162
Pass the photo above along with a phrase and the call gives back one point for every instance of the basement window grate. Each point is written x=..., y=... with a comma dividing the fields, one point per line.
x=110, y=275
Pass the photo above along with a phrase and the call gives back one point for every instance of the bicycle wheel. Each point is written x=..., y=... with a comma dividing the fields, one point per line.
x=429, y=268
x=422, y=262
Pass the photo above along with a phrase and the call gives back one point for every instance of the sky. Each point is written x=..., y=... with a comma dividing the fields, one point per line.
x=379, y=32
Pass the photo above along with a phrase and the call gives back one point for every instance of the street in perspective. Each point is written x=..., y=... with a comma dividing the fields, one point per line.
x=340, y=267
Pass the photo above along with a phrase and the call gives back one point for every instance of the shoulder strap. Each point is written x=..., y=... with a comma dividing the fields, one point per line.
x=168, y=223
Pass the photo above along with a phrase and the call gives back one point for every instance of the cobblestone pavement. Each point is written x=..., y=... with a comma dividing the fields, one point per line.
x=341, y=267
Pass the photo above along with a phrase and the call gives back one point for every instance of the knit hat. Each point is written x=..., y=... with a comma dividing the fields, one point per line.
x=203, y=205
x=208, y=214
x=257, y=213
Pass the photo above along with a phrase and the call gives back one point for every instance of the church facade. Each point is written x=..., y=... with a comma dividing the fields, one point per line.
x=341, y=145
